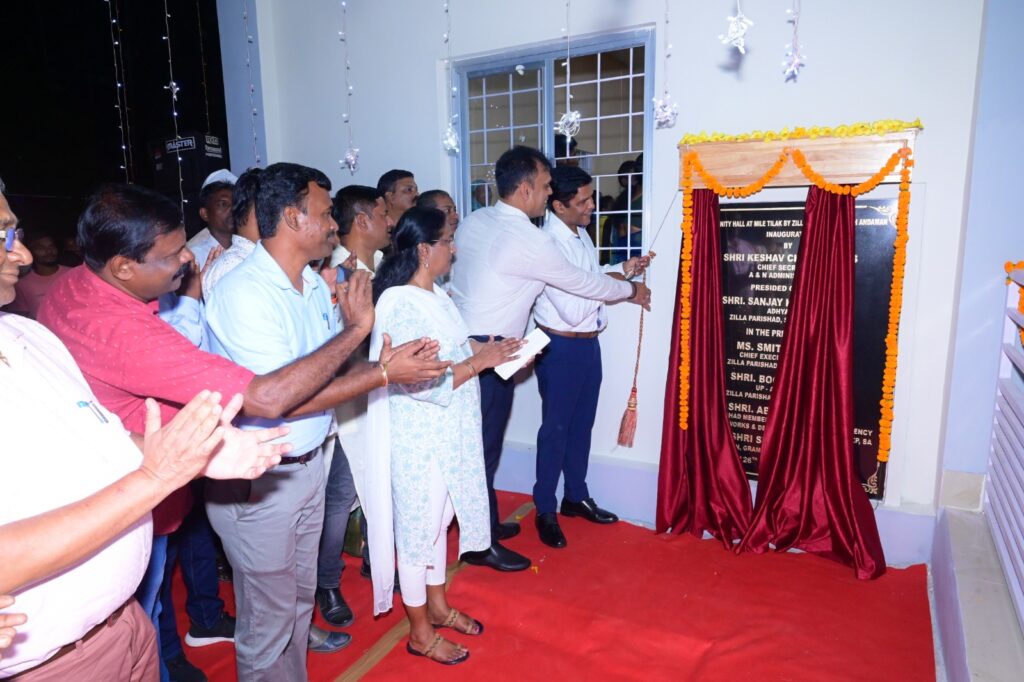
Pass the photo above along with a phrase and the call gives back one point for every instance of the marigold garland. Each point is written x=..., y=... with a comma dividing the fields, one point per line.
x=685, y=283
x=882, y=127
x=1011, y=267
x=691, y=163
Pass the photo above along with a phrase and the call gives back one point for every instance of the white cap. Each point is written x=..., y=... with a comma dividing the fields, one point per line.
x=222, y=175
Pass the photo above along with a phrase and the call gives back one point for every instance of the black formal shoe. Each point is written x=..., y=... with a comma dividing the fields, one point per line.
x=589, y=510
x=497, y=557
x=326, y=642
x=550, y=532
x=333, y=607
x=508, y=530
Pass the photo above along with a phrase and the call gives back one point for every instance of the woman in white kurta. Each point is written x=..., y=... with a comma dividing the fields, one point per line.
x=426, y=450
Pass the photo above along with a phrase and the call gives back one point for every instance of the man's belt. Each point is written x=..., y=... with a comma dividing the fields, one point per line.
x=68, y=648
x=570, y=335
x=302, y=459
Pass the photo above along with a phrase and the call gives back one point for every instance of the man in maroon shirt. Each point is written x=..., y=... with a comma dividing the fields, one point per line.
x=105, y=312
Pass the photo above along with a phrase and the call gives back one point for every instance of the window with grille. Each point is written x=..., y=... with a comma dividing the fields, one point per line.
x=517, y=98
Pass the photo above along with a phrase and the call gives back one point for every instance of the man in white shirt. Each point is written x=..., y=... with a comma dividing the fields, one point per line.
x=243, y=217
x=504, y=263
x=569, y=370
x=215, y=211
x=75, y=528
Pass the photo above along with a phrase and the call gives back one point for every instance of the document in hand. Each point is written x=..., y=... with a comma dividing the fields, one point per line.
x=535, y=342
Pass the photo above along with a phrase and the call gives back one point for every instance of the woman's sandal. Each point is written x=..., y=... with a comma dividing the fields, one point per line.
x=453, y=618
x=428, y=652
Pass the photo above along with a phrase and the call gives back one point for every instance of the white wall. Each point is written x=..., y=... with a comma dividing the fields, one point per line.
x=993, y=235
x=246, y=137
x=867, y=60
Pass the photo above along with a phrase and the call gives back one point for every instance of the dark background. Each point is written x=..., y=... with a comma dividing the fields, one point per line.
x=59, y=138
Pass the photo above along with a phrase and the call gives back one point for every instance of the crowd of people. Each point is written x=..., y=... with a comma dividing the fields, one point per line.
x=222, y=404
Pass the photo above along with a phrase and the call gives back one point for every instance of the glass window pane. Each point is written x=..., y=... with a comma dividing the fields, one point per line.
x=498, y=142
x=525, y=107
x=639, y=104
x=638, y=59
x=638, y=133
x=529, y=135
x=497, y=83
x=529, y=78
x=476, y=148
x=476, y=86
x=614, y=97
x=614, y=135
x=497, y=112
x=584, y=100
x=584, y=68
x=615, y=63
x=476, y=114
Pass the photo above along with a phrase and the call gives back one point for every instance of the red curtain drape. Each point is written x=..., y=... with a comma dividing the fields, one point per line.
x=701, y=485
x=809, y=496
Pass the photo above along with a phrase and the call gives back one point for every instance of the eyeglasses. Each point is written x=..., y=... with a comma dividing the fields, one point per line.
x=11, y=235
x=450, y=241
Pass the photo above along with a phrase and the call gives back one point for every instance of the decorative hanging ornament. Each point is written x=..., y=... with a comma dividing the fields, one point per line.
x=450, y=141
x=351, y=160
x=665, y=110
x=569, y=123
x=450, y=138
x=795, y=59
x=737, y=34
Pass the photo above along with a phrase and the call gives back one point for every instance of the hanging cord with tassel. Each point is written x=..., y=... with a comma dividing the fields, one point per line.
x=627, y=429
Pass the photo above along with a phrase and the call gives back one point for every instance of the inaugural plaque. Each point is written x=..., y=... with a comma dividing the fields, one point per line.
x=760, y=243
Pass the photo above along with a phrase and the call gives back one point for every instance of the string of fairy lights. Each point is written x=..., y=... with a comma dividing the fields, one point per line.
x=569, y=123
x=450, y=138
x=351, y=158
x=173, y=89
x=121, y=105
x=253, y=111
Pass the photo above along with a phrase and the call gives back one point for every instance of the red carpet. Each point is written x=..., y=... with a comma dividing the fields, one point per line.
x=620, y=603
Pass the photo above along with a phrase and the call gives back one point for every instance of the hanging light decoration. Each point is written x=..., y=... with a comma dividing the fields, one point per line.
x=665, y=110
x=450, y=139
x=795, y=59
x=121, y=93
x=351, y=158
x=173, y=88
x=737, y=33
x=569, y=123
x=253, y=112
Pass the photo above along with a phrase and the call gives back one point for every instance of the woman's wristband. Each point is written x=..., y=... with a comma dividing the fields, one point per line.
x=384, y=371
x=472, y=369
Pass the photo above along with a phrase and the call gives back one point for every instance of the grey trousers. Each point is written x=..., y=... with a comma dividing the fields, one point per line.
x=271, y=528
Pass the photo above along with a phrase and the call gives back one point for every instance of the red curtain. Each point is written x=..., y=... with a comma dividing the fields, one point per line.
x=701, y=485
x=809, y=495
